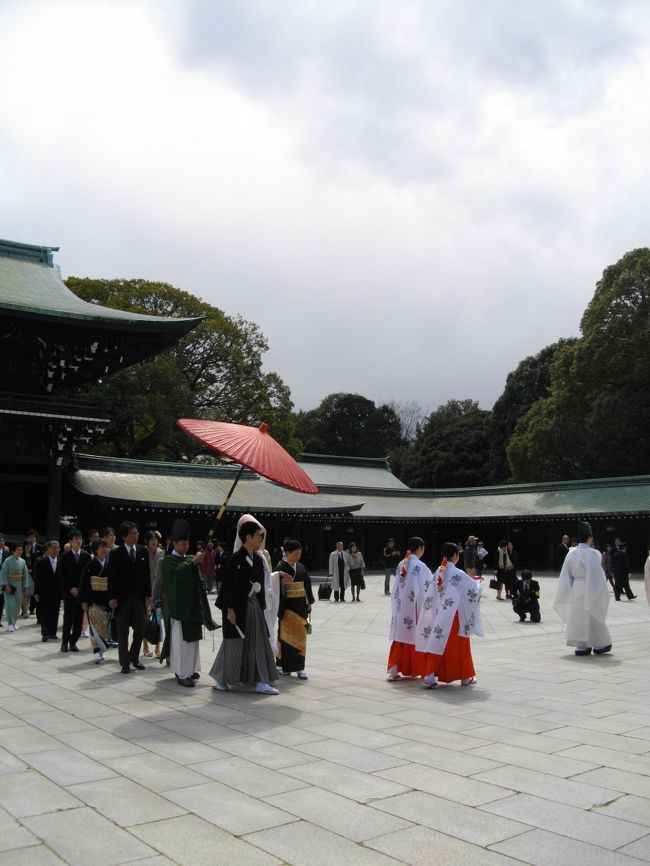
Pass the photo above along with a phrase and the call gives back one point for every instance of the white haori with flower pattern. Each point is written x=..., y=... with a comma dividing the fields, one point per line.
x=406, y=589
x=438, y=606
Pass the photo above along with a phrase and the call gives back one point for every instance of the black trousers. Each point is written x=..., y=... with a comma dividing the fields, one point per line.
x=622, y=584
x=72, y=618
x=339, y=583
x=508, y=578
x=49, y=611
x=2, y=604
x=521, y=608
x=131, y=613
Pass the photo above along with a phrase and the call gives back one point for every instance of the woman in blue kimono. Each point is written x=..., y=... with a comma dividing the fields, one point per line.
x=14, y=580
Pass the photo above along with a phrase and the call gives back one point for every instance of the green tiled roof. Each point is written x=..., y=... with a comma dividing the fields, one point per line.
x=362, y=472
x=31, y=285
x=173, y=484
x=192, y=486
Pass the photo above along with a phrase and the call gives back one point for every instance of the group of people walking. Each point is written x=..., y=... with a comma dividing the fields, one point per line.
x=118, y=586
x=266, y=609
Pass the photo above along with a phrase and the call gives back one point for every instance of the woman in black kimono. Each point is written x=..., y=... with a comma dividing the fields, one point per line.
x=296, y=599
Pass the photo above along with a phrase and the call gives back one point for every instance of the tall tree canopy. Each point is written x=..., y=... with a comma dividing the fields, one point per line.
x=213, y=372
x=451, y=450
x=349, y=425
x=596, y=420
x=529, y=382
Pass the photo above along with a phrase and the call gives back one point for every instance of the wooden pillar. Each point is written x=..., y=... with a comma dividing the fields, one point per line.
x=53, y=514
x=361, y=539
x=554, y=536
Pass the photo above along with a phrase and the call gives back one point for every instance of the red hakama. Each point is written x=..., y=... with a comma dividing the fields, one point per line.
x=456, y=661
x=406, y=659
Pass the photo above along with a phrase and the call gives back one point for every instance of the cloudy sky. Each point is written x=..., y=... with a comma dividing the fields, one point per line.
x=362, y=179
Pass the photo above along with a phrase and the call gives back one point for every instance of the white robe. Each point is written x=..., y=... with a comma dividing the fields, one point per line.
x=646, y=578
x=406, y=589
x=438, y=606
x=582, y=598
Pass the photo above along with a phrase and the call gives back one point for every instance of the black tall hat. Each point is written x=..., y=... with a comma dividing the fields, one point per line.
x=584, y=529
x=180, y=530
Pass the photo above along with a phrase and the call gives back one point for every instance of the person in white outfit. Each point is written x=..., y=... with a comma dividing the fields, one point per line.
x=582, y=597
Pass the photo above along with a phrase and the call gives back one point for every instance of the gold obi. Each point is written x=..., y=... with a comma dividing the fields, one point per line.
x=99, y=583
x=16, y=576
x=295, y=590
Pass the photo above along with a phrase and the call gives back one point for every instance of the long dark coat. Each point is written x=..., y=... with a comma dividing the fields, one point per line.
x=239, y=574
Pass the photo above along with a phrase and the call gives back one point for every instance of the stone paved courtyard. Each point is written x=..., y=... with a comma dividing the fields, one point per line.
x=545, y=761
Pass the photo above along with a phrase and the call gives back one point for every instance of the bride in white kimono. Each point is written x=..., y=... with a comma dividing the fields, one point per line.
x=582, y=597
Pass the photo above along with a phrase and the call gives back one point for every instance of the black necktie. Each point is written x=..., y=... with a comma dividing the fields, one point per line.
x=132, y=554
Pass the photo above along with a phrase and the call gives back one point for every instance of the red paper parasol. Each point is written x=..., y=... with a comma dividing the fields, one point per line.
x=252, y=447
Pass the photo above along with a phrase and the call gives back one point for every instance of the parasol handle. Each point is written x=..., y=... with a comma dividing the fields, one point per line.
x=225, y=505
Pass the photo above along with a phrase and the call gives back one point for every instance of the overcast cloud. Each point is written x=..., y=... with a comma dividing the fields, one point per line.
x=356, y=177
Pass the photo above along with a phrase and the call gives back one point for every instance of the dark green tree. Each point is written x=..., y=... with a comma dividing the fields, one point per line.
x=215, y=371
x=349, y=425
x=529, y=382
x=596, y=420
x=452, y=449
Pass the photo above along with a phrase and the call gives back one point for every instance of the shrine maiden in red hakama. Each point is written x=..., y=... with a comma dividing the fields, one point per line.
x=411, y=573
x=449, y=614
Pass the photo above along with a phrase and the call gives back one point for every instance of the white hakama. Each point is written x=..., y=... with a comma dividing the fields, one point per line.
x=184, y=655
x=582, y=599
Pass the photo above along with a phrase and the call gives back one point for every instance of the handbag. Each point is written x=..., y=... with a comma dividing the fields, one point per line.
x=494, y=583
x=152, y=629
x=308, y=625
x=325, y=591
x=362, y=585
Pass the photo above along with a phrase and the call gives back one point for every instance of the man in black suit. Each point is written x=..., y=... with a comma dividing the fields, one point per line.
x=93, y=538
x=129, y=593
x=48, y=589
x=621, y=569
x=561, y=552
x=73, y=563
x=526, y=597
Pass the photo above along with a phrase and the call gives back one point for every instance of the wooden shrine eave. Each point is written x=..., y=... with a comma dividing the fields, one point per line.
x=39, y=426
x=51, y=340
x=31, y=288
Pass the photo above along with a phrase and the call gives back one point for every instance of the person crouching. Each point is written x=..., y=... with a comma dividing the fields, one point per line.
x=525, y=597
